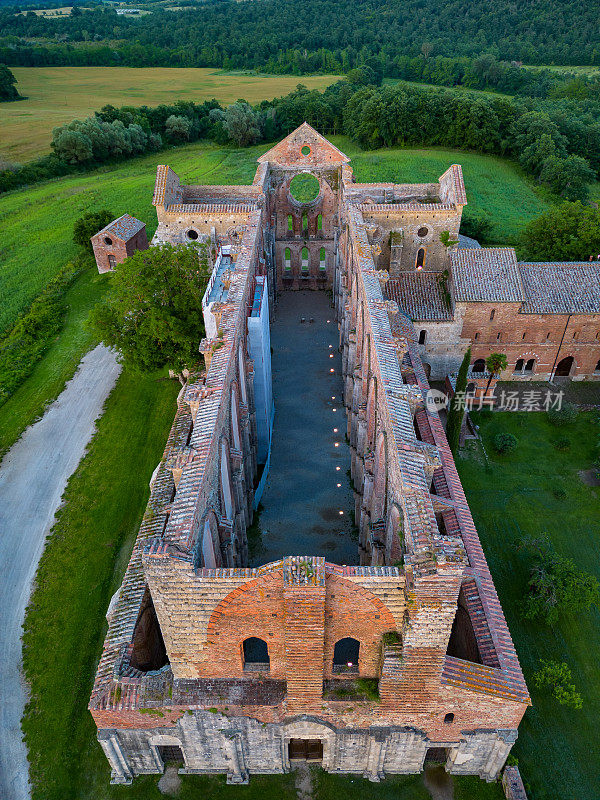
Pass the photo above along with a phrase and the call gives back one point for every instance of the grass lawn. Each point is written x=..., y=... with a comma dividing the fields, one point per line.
x=58, y=364
x=558, y=747
x=56, y=95
x=37, y=222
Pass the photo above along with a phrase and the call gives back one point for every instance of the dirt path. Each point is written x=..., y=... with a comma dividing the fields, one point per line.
x=33, y=476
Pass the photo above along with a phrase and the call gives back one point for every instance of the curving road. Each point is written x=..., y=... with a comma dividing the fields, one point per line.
x=33, y=476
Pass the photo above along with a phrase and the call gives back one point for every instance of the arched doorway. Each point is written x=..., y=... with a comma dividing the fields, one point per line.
x=564, y=367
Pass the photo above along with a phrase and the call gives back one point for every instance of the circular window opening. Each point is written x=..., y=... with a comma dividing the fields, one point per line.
x=422, y=232
x=192, y=235
x=304, y=188
x=305, y=150
x=107, y=240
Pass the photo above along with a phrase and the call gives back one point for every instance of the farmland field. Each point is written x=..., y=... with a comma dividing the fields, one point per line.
x=56, y=95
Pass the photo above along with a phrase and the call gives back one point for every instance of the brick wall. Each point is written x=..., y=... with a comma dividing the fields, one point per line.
x=531, y=336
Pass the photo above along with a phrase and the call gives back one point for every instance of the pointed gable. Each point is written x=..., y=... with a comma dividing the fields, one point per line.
x=304, y=147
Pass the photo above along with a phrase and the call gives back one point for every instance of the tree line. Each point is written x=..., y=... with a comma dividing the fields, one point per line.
x=558, y=143
x=331, y=35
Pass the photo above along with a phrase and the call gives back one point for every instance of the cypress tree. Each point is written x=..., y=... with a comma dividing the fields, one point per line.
x=456, y=410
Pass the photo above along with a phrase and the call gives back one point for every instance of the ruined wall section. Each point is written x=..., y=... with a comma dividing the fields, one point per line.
x=298, y=226
x=406, y=229
x=216, y=475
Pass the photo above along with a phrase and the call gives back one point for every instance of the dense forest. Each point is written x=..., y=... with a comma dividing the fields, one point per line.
x=314, y=35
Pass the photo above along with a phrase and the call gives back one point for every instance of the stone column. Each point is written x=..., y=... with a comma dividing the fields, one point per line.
x=120, y=771
x=235, y=751
x=376, y=756
x=499, y=753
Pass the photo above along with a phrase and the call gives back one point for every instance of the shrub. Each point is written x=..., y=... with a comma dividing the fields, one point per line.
x=369, y=687
x=391, y=638
x=562, y=444
x=89, y=224
x=32, y=333
x=559, y=493
x=557, y=677
x=504, y=443
x=564, y=415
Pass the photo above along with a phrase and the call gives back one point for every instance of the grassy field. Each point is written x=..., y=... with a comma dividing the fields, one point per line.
x=558, y=747
x=589, y=70
x=56, y=95
x=37, y=222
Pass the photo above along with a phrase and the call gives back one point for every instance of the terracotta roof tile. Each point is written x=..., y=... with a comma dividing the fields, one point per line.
x=486, y=275
x=420, y=295
x=561, y=287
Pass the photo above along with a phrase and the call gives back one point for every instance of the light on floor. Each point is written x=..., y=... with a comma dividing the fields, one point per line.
x=336, y=444
x=341, y=512
x=331, y=370
x=338, y=468
x=338, y=485
x=335, y=430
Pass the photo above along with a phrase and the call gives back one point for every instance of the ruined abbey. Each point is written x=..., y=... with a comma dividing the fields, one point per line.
x=401, y=656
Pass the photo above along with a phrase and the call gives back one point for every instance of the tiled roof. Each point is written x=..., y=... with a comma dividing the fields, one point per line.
x=486, y=275
x=124, y=227
x=162, y=172
x=420, y=295
x=561, y=288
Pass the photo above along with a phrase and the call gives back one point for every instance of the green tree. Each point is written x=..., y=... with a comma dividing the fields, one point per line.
x=556, y=584
x=71, y=146
x=532, y=158
x=568, y=177
x=456, y=411
x=494, y=363
x=153, y=312
x=178, y=128
x=89, y=224
x=557, y=677
x=8, y=90
x=242, y=123
x=567, y=232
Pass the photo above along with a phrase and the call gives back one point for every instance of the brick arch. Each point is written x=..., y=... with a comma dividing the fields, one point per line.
x=253, y=609
x=353, y=610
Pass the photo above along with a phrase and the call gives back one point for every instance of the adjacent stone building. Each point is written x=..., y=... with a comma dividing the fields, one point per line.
x=117, y=241
x=236, y=670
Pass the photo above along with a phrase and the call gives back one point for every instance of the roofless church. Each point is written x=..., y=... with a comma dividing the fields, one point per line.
x=403, y=655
